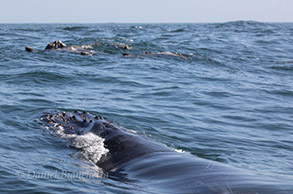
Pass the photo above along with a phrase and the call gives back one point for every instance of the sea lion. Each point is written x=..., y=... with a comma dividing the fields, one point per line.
x=137, y=158
x=129, y=55
x=59, y=45
x=159, y=54
x=122, y=46
x=166, y=54
x=29, y=49
x=55, y=45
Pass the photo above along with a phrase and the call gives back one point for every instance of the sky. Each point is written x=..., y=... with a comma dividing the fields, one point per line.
x=148, y=11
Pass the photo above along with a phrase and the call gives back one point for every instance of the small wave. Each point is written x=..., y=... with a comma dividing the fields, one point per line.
x=284, y=67
x=218, y=94
x=208, y=60
x=178, y=30
x=242, y=23
x=39, y=77
x=137, y=27
x=288, y=93
x=75, y=28
x=29, y=29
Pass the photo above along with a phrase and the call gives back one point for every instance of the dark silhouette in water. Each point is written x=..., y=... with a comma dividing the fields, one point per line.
x=159, y=54
x=135, y=157
x=55, y=45
x=29, y=49
x=59, y=45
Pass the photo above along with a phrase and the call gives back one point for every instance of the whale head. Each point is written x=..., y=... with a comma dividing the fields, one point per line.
x=77, y=123
x=118, y=144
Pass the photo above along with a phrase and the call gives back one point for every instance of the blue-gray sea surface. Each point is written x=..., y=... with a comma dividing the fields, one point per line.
x=230, y=99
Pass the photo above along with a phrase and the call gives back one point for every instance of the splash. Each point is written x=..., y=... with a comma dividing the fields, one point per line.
x=92, y=146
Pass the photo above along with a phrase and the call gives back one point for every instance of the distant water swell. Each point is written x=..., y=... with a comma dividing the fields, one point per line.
x=230, y=101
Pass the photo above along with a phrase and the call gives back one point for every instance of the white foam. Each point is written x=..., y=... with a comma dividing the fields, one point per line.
x=92, y=146
x=59, y=131
x=179, y=150
x=89, y=46
x=131, y=131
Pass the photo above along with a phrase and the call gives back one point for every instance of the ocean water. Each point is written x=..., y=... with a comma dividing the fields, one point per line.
x=229, y=99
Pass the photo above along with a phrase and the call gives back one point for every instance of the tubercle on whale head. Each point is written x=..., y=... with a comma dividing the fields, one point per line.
x=78, y=123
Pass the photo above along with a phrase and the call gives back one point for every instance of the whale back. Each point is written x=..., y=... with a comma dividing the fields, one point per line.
x=135, y=157
x=123, y=144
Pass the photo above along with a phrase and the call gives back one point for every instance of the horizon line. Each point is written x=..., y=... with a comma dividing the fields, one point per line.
x=146, y=22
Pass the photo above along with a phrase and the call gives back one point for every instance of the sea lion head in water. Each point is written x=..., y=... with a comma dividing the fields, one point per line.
x=29, y=49
x=61, y=44
x=148, y=53
x=51, y=45
x=122, y=46
x=55, y=45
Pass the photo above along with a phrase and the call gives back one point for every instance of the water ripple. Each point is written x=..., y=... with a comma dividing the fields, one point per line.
x=230, y=101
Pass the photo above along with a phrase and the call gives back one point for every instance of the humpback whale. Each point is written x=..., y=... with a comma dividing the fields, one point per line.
x=158, y=167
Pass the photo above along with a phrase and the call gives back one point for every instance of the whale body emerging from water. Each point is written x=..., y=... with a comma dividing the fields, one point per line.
x=158, y=167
